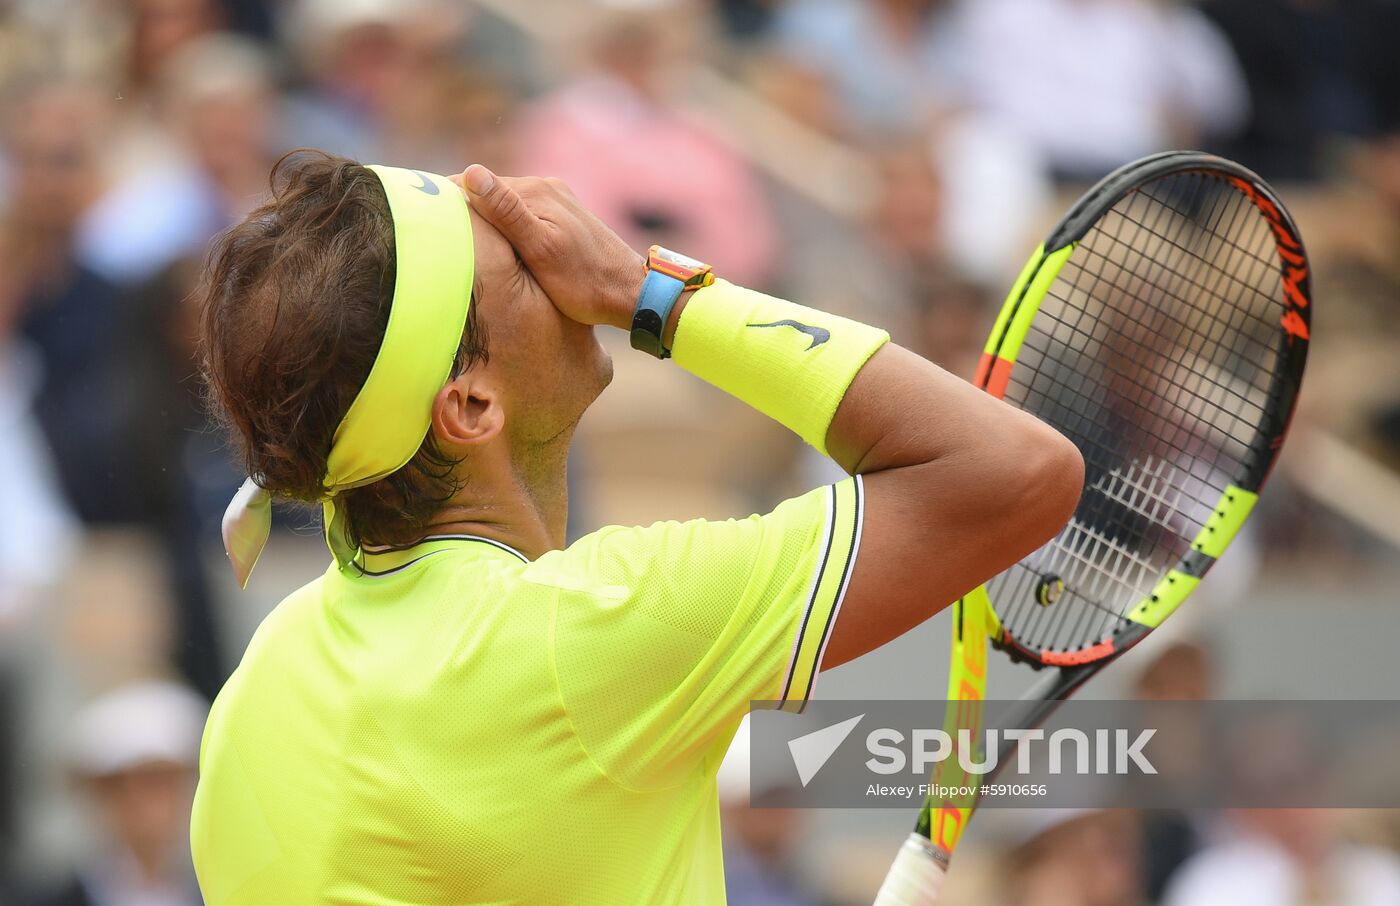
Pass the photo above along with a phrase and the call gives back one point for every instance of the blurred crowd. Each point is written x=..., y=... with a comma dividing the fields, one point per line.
x=133, y=131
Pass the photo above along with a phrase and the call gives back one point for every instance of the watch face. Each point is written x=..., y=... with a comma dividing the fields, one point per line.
x=677, y=259
x=689, y=271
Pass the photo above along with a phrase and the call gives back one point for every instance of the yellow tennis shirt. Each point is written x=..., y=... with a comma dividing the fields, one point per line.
x=458, y=725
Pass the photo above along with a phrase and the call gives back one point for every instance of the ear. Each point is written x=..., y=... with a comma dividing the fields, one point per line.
x=467, y=412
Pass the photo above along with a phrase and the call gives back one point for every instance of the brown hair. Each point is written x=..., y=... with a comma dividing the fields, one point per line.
x=294, y=305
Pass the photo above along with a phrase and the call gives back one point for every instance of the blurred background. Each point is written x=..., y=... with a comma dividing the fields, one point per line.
x=893, y=160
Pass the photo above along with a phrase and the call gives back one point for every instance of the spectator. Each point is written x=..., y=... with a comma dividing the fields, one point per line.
x=37, y=529
x=38, y=533
x=1316, y=69
x=142, y=36
x=1075, y=857
x=966, y=192
x=1280, y=853
x=185, y=474
x=66, y=310
x=1179, y=671
x=218, y=123
x=108, y=400
x=159, y=30
x=857, y=66
x=951, y=319
x=133, y=754
x=478, y=116
x=371, y=66
x=147, y=130
x=1092, y=84
x=995, y=191
x=910, y=225
x=907, y=215
x=1274, y=856
x=648, y=168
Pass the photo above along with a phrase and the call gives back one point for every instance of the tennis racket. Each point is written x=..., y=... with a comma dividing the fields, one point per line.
x=1163, y=327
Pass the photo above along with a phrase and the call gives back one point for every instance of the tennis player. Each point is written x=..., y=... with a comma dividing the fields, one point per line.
x=462, y=709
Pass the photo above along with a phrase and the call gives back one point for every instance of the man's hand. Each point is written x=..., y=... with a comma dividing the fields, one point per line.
x=590, y=274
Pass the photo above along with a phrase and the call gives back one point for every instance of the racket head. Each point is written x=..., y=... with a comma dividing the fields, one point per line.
x=1163, y=327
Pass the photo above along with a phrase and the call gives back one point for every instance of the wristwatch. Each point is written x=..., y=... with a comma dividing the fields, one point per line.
x=669, y=276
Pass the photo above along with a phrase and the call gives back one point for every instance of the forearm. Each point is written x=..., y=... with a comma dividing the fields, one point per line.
x=871, y=406
x=792, y=363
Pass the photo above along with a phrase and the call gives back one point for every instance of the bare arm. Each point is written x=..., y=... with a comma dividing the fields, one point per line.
x=959, y=485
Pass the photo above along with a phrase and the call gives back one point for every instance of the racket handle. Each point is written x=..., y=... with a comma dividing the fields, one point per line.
x=914, y=878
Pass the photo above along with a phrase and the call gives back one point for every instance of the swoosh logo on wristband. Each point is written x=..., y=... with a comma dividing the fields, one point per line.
x=819, y=335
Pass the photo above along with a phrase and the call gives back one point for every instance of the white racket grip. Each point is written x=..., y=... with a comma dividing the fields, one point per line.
x=914, y=878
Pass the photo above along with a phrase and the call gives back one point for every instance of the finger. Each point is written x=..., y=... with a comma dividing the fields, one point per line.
x=502, y=206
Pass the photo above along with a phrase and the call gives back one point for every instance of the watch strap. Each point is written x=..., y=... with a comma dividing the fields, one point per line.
x=660, y=293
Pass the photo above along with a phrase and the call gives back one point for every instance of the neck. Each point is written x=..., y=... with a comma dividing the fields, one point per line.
x=521, y=501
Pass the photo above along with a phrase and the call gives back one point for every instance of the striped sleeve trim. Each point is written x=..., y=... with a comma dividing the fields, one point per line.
x=845, y=510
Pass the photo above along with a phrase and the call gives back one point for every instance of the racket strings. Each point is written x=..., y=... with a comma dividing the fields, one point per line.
x=1228, y=329
x=1153, y=352
x=1265, y=354
x=1124, y=564
x=1228, y=401
x=1098, y=434
x=1118, y=573
x=1248, y=284
x=1145, y=394
x=1114, y=558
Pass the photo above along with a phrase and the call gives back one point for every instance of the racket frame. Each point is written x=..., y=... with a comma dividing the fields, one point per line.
x=1237, y=500
x=928, y=850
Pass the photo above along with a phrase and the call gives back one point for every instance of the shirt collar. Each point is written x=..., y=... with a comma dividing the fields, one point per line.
x=376, y=562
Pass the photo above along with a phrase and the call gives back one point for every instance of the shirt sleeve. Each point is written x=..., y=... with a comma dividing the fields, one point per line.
x=663, y=635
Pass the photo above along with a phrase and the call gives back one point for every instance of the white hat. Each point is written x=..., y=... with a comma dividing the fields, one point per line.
x=140, y=723
x=217, y=65
x=1013, y=828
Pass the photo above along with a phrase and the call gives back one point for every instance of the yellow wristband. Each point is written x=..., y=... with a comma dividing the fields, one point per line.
x=790, y=362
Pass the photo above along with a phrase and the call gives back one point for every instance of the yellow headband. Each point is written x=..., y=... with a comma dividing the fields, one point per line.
x=392, y=413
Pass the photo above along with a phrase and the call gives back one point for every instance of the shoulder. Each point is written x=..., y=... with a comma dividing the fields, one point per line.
x=287, y=618
x=612, y=554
